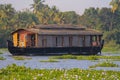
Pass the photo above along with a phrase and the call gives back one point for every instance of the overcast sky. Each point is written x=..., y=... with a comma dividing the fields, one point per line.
x=63, y=5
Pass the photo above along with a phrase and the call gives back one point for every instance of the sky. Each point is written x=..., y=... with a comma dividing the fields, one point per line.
x=63, y=5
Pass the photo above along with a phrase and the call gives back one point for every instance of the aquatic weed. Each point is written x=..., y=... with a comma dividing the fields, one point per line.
x=14, y=72
x=49, y=60
x=105, y=64
x=2, y=58
x=21, y=58
x=95, y=57
x=1, y=52
x=87, y=58
x=64, y=57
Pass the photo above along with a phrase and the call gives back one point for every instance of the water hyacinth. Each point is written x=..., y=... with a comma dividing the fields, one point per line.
x=2, y=58
x=49, y=60
x=14, y=72
x=1, y=52
x=105, y=64
x=21, y=58
x=86, y=57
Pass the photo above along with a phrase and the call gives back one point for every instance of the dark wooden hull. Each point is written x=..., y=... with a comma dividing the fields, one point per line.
x=53, y=50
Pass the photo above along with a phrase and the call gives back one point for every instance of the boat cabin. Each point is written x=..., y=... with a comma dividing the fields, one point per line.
x=56, y=36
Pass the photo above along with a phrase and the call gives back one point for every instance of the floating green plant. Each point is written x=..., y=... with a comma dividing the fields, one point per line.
x=1, y=52
x=2, y=58
x=3, y=49
x=49, y=60
x=21, y=58
x=85, y=57
x=14, y=72
x=75, y=57
x=64, y=57
x=105, y=64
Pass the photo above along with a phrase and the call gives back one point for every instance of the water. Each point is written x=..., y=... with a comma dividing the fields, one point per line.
x=62, y=64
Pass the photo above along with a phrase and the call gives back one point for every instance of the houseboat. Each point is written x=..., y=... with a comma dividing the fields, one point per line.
x=55, y=39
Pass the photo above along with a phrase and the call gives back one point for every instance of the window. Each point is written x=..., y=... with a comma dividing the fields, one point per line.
x=33, y=40
x=70, y=41
x=44, y=41
x=56, y=41
x=94, y=40
x=59, y=42
x=83, y=41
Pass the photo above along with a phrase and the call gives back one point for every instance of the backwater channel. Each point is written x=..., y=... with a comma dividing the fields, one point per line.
x=35, y=63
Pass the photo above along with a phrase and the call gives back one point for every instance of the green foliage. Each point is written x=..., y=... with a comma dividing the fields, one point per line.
x=111, y=46
x=110, y=49
x=2, y=58
x=13, y=71
x=21, y=58
x=109, y=57
x=70, y=17
x=50, y=60
x=3, y=49
x=1, y=52
x=115, y=36
x=105, y=64
x=102, y=19
x=115, y=5
x=85, y=57
x=64, y=57
x=26, y=19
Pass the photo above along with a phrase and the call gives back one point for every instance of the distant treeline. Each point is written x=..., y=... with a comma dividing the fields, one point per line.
x=106, y=20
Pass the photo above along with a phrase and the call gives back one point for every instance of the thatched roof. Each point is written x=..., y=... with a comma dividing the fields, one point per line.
x=62, y=30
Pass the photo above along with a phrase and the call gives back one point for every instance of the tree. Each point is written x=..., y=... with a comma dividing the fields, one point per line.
x=115, y=5
x=38, y=4
x=90, y=18
x=71, y=17
x=26, y=19
x=37, y=9
x=7, y=14
x=107, y=19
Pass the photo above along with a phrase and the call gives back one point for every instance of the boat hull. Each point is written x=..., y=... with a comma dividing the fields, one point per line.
x=53, y=50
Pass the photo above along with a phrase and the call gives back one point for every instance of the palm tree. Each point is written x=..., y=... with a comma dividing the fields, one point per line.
x=115, y=4
x=38, y=9
x=37, y=5
x=7, y=15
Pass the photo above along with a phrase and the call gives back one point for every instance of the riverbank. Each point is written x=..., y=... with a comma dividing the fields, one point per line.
x=111, y=50
x=111, y=47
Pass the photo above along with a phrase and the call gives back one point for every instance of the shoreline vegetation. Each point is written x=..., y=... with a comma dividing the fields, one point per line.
x=111, y=50
x=14, y=72
x=111, y=47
